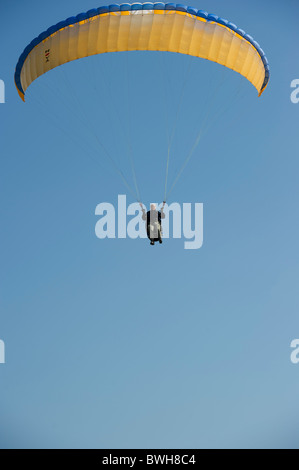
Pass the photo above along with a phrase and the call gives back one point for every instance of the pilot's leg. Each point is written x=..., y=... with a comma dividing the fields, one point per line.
x=148, y=231
x=160, y=234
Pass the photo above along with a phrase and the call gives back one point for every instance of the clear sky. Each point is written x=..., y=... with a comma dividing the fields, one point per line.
x=117, y=344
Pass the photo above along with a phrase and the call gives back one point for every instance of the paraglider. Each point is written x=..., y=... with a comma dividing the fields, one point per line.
x=145, y=27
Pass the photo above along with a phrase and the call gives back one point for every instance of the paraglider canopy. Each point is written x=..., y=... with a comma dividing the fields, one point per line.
x=144, y=26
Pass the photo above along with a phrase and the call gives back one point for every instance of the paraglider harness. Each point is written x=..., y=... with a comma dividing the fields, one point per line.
x=154, y=231
x=153, y=227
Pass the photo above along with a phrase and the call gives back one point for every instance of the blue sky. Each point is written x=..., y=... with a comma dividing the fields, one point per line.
x=116, y=344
